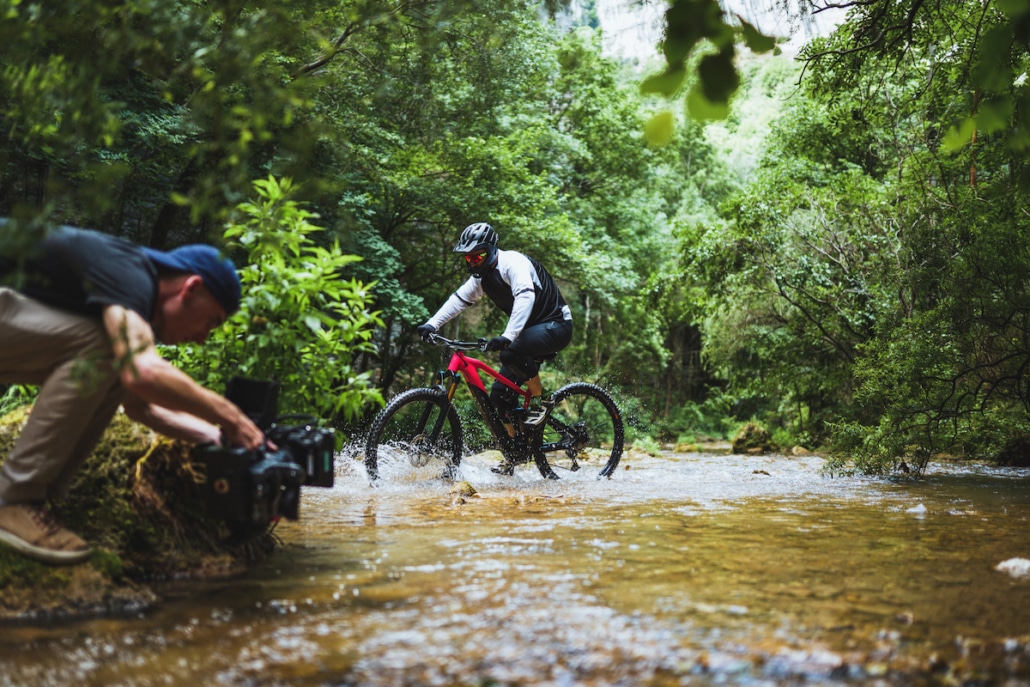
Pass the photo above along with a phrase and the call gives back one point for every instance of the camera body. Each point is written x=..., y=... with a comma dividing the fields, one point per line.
x=251, y=488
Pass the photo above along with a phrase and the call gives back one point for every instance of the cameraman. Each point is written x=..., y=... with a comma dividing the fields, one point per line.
x=79, y=316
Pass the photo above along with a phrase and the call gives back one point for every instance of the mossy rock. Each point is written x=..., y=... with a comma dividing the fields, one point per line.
x=753, y=439
x=137, y=503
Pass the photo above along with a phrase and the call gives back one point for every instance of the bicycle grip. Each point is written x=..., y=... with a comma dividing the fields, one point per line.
x=481, y=344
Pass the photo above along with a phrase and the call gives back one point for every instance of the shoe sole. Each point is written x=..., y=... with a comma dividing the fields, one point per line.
x=39, y=553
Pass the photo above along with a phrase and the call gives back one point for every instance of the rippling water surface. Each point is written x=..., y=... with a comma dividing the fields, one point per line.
x=685, y=569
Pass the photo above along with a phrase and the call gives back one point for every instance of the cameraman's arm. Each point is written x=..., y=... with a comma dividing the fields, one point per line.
x=152, y=379
x=172, y=423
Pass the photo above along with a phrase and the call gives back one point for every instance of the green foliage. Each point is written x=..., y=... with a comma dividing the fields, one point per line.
x=118, y=109
x=301, y=322
x=400, y=125
x=970, y=67
x=17, y=571
x=16, y=396
x=856, y=264
x=791, y=282
x=647, y=444
x=863, y=289
x=108, y=564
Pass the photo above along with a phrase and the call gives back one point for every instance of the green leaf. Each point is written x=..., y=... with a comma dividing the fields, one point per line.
x=960, y=135
x=755, y=40
x=719, y=76
x=1013, y=8
x=659, y=129
x=666, y=83
x=995, y=115
x=701, y=109
x=313, y=323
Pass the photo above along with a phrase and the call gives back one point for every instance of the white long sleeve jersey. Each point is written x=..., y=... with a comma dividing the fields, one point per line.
x=519, y=286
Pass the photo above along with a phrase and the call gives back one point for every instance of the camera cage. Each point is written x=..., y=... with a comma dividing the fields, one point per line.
x=250, y=489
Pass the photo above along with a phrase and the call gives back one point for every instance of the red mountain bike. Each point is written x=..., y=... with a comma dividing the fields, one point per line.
x=577, y=423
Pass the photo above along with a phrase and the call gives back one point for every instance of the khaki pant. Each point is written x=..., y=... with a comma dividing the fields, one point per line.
x=69, y=357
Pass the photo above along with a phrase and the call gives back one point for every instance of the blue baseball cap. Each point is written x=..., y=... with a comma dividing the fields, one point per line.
x=217, y=271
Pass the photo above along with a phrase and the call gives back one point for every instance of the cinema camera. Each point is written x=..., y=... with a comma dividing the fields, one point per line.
x=249, y=489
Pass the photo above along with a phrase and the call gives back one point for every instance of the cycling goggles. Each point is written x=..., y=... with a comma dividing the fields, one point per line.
x=475, y=259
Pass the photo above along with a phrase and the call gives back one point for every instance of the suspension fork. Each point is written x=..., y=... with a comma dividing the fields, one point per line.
x=447, y=382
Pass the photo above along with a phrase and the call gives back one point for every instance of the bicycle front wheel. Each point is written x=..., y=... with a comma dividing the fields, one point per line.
x=418, y=427
x=584, y=426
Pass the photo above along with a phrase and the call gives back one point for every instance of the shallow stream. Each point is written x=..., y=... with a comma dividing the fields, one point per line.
x=682, y=569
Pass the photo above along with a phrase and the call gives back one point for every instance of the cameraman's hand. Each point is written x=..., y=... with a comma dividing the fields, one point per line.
x=498, y=343
x=244, y=433
x=426, y=331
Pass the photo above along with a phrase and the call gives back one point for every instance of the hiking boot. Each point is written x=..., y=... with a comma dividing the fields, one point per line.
x=32, y=530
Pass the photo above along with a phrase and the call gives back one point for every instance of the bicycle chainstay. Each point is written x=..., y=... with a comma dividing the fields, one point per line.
x=519, y=449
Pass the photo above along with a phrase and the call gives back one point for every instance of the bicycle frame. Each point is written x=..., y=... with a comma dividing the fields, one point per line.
x=470, y=368
x=464, y=367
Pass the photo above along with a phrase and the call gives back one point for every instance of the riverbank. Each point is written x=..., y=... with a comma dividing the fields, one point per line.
x=137, y=504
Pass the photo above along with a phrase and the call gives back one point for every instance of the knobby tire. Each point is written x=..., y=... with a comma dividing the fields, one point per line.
x=584, y=426
x=404, y=428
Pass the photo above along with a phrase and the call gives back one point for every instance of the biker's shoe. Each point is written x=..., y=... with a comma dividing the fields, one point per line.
x=504, y=468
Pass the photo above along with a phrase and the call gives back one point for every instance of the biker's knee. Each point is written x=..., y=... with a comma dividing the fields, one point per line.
x=518, y=368
x=501, y=396
x=509, y=356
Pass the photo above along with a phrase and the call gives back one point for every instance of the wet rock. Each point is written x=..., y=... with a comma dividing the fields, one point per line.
x=919, y=510
x=753, y=439
x=462, y=491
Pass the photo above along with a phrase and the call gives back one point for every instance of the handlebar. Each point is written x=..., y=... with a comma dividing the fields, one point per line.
x=437, y=340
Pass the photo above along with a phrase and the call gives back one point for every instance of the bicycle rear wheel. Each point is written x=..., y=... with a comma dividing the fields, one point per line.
x=583, y=426
x=419, y=427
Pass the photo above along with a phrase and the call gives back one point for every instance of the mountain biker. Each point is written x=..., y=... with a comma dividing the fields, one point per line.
x=539, y=320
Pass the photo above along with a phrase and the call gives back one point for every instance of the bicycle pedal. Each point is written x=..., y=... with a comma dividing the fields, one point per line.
x=536, y=415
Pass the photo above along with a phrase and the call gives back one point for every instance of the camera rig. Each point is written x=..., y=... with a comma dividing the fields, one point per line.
x=250, y=489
